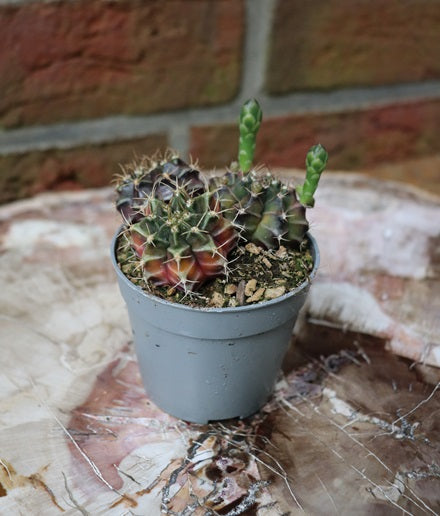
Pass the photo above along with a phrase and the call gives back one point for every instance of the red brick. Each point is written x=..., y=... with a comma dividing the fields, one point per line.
x=321, y=44
x=83, y=59
x=23, y=175
x=355, y=139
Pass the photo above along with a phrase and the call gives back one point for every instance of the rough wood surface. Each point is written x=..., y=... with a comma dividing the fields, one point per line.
x=353, y=427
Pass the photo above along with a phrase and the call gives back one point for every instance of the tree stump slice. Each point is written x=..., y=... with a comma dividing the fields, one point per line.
x=353, y=426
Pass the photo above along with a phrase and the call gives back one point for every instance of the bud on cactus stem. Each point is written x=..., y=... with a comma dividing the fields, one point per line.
x=316, y=161
x=250, y=120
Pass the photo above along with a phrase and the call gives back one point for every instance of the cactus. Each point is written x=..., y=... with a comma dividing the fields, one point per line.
x=316, y=161
x=155, y=177
x=263, y=209
x=174, y=224
x=249, y=124
x=182, y=228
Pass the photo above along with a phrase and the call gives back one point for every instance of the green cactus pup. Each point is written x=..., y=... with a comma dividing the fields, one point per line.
x=250, y=121
x=316, y=160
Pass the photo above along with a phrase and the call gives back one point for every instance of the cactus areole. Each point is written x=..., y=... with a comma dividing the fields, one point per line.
x=182, y=229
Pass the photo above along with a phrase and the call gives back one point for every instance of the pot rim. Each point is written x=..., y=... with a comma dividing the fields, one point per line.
x=228, y=309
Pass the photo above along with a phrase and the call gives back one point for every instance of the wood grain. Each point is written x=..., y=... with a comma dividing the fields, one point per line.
x=353, y=427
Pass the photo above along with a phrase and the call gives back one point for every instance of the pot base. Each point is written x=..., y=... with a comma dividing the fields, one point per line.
x=201, y=380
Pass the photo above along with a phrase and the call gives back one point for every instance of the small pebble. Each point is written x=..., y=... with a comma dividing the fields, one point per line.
x=281, y=252
x=240, y=292
x=230, y=289
x=256, y=296
x=217, y=300
x=252, y=248
x=272, y=293
x=267, y=263
x=250, y=287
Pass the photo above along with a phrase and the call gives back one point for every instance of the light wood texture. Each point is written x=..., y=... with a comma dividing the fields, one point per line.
x=353, y=427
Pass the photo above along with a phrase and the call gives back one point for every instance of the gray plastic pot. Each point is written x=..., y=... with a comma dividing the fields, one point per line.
x=210, y=364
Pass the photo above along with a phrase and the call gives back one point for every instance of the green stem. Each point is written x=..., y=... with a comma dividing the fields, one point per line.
x=250, y=120
x=316, y=161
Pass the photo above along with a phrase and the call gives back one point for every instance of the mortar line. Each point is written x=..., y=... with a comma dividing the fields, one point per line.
x=179, y=138
x=119, y=128
x=259, y=16
x=257, y=26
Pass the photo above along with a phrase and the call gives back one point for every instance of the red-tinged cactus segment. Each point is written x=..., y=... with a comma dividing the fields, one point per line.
x=186, y=252
x=175, y=227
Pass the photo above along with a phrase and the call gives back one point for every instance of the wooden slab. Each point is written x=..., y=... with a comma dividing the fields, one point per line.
x=354, y=424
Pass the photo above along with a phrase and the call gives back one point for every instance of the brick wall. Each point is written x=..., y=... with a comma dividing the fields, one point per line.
x=87, y=84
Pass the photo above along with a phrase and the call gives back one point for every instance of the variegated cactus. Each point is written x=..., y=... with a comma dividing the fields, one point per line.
x=174, y=224
x=155, y=177
x=264, y=209
x=182, y=228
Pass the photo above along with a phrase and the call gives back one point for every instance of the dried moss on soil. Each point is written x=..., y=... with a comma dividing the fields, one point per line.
x=255, y=275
